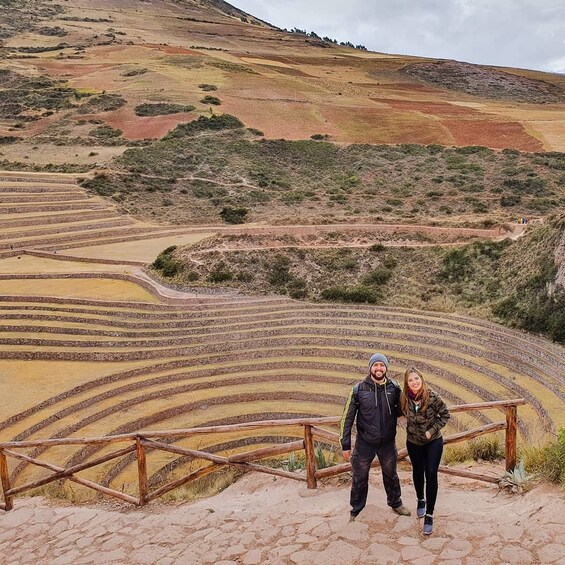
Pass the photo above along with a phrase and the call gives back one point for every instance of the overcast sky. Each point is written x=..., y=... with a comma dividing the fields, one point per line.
x=516, y=33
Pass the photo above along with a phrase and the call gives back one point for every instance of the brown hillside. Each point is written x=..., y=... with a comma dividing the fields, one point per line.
x=287, y=85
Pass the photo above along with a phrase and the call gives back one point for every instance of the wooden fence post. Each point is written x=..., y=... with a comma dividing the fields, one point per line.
x=310, y=457
x=510, y=451
x=5, y=480
x=142, y=471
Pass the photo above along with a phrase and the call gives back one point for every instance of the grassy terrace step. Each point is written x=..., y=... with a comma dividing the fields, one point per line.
x=18, y=233
x=289, y=308
x=171, y=316
x=37, y=178
x=33, y=203
x=197, y=334
x=197, y=387
x=211, y=365
x=30, y=191
x=32, y=188
x=53, y=207
x=73, y=239
x=19, y=220
x=292, y=314
x=548, y=373
x=40, y=198
x=423, y=354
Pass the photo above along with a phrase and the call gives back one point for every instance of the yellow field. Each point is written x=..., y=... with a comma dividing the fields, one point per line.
x=95, y=289
x=143, y=250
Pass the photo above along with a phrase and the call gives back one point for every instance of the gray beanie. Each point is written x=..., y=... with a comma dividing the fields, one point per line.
x=378, y=357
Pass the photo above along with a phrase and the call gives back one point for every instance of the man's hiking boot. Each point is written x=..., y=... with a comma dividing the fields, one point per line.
x=428, y=525
x=402, y=511
x=421, y=508
x=352, y=517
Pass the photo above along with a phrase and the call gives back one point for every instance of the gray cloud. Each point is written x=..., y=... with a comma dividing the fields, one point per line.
x=513, y=33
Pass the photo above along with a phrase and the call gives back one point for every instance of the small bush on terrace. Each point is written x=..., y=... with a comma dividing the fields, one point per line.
x=105, y=132
x=486, y=448
x=220, y=273
x=234, y=215
x=455, y=265
x=101, y=184
x=165, y=263
x=102, y=103
x=161, y=109
x=548, y=461
x=214, y=122
x=378, y=276
x=214, y=100
x=208, y=87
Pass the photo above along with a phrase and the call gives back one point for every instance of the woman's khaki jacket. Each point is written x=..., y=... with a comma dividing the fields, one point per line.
x=433, y=419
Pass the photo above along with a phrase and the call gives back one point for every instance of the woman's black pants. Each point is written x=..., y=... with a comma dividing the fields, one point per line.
x=425, y=461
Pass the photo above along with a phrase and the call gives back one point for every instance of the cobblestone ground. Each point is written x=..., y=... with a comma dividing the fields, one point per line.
x=261, y=520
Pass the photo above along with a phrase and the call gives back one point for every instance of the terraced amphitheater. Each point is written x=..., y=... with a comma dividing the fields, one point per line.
x=92, y=347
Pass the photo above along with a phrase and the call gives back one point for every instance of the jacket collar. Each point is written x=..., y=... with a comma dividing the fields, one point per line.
x=369, y=380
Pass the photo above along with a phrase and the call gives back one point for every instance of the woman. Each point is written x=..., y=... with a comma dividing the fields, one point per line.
x=426, y=414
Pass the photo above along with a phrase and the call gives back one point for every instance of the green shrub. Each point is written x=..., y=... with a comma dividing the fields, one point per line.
x=279, y=270
x=102, y=103
x=377, y=247
x=547, y=461
x=203, y=123
x=378, y=276
x=456, y=265
x=208, y=87
x=220, y=273
x=358, y=294
x=508, y=200
x=234, y=215
x=101, y=184
x=134, y=72
x=105, y=132
x=161, y=109
x=214, y=100
x=165, y=263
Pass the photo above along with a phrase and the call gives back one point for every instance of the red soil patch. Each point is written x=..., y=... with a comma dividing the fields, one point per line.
x=433, y=108
x=63, y=68
x=497, y=135
x=412, y=87
x=383, y=125
x=137, y=127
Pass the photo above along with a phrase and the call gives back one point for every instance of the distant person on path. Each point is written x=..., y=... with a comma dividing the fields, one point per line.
x=426, y=414
x=374, y=402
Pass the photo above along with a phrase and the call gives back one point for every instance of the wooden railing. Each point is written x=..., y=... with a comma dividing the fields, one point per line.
x=142, y=441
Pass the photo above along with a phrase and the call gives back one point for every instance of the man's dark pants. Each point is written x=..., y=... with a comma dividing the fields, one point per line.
x=361, y=460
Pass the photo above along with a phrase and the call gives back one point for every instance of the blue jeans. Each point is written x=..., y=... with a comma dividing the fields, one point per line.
x=425, y=461
x=361, y=460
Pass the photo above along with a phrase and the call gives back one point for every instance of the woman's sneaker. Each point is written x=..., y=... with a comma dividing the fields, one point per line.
x=428, y=525
x=421, y=508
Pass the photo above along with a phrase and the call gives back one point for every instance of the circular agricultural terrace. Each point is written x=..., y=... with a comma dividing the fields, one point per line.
x=224, y=360
x=88, y=347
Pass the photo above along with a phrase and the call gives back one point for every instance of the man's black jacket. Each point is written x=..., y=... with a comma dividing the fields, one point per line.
x=376, y=408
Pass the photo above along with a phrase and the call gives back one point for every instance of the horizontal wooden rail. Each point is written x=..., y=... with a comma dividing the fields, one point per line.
x=143, y=442
x=170, y=433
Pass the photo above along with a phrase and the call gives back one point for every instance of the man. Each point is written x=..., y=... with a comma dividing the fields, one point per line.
x=375, y=402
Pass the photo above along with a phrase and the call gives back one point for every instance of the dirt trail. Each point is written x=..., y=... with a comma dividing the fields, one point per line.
x=267, y=520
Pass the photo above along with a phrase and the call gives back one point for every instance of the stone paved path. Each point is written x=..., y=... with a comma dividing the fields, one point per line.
x=262, y=519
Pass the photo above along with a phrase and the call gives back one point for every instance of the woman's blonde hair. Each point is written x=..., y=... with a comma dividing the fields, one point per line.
x=423, y=394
